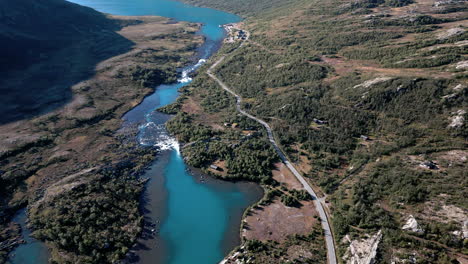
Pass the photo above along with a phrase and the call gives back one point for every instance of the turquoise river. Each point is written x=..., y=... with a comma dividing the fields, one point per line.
x=189, y=217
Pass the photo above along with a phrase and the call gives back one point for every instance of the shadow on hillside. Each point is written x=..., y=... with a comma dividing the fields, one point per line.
x=46, y=48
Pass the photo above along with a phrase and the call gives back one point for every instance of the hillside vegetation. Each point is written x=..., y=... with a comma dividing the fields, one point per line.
x=369, y=98
x=74, y=167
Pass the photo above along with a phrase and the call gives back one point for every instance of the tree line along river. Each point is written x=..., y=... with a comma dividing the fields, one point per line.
x=195, y=219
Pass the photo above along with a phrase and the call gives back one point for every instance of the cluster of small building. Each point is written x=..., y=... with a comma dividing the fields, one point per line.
x=241, y=34
x=234, y=33
x=215, y=167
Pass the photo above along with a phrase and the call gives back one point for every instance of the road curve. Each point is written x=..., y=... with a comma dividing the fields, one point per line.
x=331, y=254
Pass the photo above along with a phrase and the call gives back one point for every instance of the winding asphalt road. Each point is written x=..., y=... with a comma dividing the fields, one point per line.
x=331, y=254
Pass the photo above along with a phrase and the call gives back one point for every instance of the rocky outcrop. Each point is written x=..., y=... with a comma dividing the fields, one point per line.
x=462, y=65
x=233, y=258
x=363, y=251
x=447, y=2
x=450, y=33
x=412, y=225
x=459, y=87
x=463, y=233
x=465, y=229
x=369, y=83
x=458, y=120
x=409, y=259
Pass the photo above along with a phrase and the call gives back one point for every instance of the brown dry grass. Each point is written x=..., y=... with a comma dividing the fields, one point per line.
x=344, y=66
x=277, y=221
x=283, y=175
x=191, y=107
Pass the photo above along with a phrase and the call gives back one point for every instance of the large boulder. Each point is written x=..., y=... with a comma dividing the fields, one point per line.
x=412, y=225
x=363, y=251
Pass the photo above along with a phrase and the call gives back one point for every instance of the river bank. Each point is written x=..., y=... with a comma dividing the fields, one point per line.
x=194, y=217
x=30, y=250
x=54, y=156
x=219, y=204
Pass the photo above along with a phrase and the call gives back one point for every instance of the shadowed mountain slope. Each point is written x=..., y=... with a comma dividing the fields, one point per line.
x=47, y=46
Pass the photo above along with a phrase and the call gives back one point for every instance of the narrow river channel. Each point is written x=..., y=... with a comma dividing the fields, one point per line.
x=32, y=251
x=193, y=218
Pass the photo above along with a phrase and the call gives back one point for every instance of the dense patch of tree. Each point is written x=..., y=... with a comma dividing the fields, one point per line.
x=186, y=130
x=398, y=3
x=288, y=200
x=151, y=77
x=98, y=221
x=407, y=99
x=250, y=158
